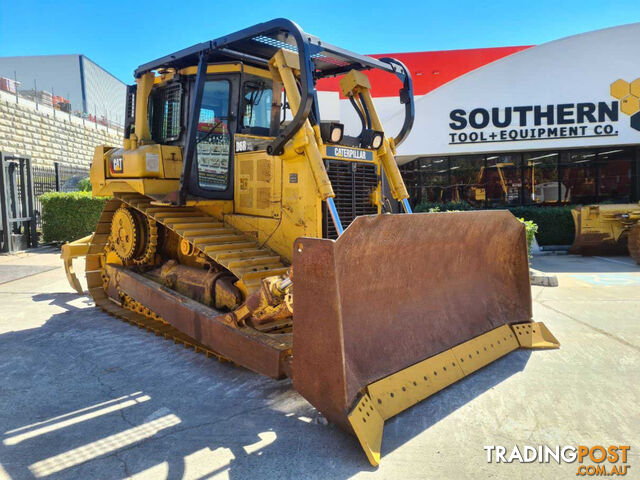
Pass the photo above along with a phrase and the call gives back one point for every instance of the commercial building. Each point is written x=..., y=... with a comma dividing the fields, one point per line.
x=546, y=124
x=90, y=90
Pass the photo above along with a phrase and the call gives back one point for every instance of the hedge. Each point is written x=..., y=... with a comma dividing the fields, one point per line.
x=443, y=206
x=555, y=224
x=69, y=216
x=84, y=184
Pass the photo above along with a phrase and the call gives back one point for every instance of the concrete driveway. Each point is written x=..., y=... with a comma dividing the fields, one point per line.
x=83, y=395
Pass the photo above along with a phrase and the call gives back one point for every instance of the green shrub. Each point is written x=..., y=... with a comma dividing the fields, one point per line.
x=531, y=229
x=443, y=206
x=555, y=224
x=69, y=216
x=84, y=184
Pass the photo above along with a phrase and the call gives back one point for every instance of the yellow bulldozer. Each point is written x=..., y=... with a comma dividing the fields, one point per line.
x=608, y=229
x=244, y=225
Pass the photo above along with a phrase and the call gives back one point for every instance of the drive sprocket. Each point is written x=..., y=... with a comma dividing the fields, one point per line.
x=134, y=236
x=125, y=235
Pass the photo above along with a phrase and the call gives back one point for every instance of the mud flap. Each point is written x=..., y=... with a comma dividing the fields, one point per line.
x=394, y=292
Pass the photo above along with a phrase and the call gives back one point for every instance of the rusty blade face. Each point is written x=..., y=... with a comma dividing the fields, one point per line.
x=396, y=289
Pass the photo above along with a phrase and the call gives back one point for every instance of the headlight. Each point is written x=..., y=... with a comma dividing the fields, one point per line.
x=331, y=132
x=372, y=139
x=336, y=133
x=377, y=140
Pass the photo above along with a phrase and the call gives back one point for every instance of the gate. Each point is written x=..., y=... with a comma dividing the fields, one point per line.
x=17, y=221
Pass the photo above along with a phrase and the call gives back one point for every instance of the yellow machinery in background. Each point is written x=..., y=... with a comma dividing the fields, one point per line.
x=607, y=230
x=546, y=192
x=242, y=224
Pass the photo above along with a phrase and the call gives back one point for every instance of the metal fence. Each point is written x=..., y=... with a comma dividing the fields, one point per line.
x=59, y=178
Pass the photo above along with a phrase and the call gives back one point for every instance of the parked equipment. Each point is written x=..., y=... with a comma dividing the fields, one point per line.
x=17, y=215
x=607, y=230
x=264, y=241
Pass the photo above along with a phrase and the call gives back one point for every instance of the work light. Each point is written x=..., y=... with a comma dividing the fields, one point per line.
x=371, y=139
x=331, y=131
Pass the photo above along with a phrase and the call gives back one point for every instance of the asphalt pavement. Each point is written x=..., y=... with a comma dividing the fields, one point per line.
x=84, y=395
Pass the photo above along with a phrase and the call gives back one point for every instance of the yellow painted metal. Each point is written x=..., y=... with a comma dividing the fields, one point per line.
x=306, y=141
x=354, y=84
x=399, y=391
x=391, y=395
x=367, y=423
x=609, y=222
x=258, y=184
x=480, y=351
x=228, y=68
x=535, y=335
x=250, y=268
x=147, y=161
x=143, y=186
x=124, y=233
x=144, y=84
x=78, y=248
x=386, y=153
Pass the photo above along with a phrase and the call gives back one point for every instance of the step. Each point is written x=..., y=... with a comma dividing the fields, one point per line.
x=204, y=225
x=173, y=213
x=229, y=247
x=171, y=210
x=193, y=233
x=127, y=197
x=240, y=272
x=253, y=252
x=188, y=219
x=253, y=280
x=139, y=202
x=217, y=240
x=248, y=263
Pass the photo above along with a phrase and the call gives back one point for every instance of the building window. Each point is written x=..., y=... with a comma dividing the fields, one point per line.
x=503, y=180
x=529, y=178
x=434, y=178
x=540, y=179
x=579, y=176
x=614, y=172
x=466, y=180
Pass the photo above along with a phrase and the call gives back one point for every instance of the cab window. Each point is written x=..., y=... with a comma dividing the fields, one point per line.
x=165, y=111
x=257, y=97
x=213, y=139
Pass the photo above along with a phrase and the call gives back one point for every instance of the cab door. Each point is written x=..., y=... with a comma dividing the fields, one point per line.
x=212, y=170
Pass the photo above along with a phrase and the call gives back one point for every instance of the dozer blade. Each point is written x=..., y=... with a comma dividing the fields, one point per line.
x=75, y=249
x=400, y=306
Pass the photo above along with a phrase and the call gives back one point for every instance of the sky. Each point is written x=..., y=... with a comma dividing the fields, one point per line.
x=120, y=35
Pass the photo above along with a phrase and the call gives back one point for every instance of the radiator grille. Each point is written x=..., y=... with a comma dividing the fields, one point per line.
x=352, y=183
